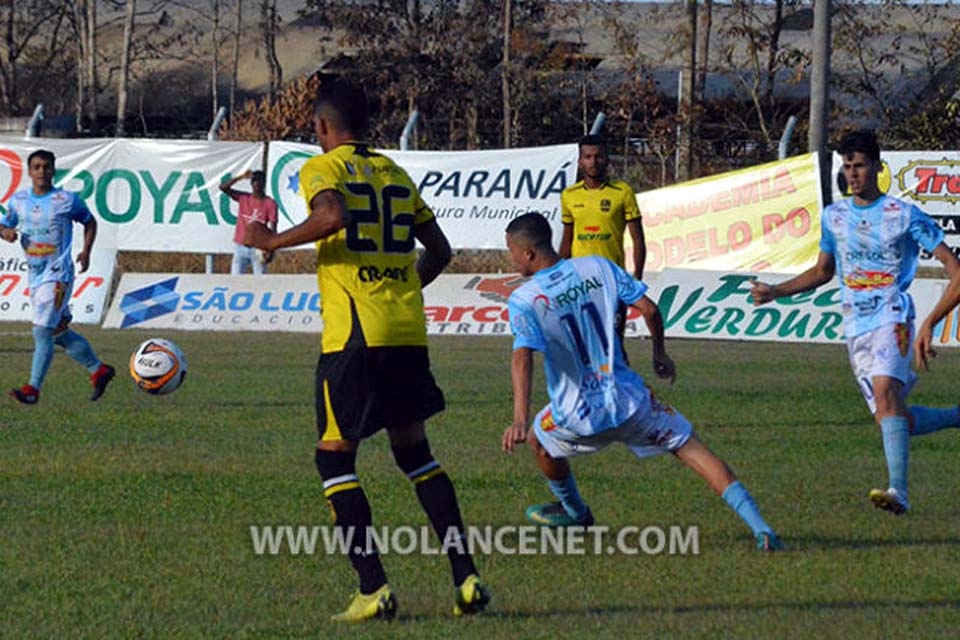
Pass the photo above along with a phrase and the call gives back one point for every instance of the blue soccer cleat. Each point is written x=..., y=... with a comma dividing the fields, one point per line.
x=769, y=542
x=553, y=514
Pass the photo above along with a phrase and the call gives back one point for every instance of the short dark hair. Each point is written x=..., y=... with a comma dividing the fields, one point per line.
x=862, y=141
x=348, y=103
x=533, y=228
x=42, y=153
x=258, y=175
x=593, y=140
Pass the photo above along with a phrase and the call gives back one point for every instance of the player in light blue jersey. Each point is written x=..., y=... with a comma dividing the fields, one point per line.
x=44, y=217
x=567, y=311
x=871, y=241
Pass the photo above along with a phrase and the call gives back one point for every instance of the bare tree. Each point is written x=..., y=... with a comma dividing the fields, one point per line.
x=269, y=25
x=128, y=26
x=237, y=32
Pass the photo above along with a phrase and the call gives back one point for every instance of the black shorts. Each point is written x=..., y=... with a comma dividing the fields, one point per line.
x=362, y=390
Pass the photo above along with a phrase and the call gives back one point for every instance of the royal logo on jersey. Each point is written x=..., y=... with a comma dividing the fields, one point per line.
x=578, y=291
x=866, y=280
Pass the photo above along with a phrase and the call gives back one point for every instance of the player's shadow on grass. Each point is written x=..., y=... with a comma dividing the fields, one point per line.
x=809, y=543
x=881, y=605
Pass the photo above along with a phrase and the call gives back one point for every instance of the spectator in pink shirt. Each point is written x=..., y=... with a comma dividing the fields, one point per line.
x=254, y=207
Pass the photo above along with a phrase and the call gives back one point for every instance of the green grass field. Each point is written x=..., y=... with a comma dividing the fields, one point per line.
x=131, y=517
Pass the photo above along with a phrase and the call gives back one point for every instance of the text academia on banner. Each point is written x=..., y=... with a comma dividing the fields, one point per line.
x=474, y=194
x=765, y=218
x=148, y=195
x=89, y=289
x=928, y=179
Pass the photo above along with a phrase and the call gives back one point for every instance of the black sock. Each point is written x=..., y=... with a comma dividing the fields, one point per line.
x=439, y=501
x=351, y=514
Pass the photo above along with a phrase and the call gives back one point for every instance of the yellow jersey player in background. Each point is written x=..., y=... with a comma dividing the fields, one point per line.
x=596, y=212
x=365, y=215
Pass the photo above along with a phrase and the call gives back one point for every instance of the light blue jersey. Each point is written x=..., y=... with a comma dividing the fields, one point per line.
x=567, y=313
x=875, y=249
x=45, y=224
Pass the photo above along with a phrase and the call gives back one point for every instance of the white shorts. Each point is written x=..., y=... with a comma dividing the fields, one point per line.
x=885, y=351
x=50, y=302
x=659, y=430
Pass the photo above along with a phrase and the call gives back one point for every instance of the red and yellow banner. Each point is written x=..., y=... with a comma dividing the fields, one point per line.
x=765, y=218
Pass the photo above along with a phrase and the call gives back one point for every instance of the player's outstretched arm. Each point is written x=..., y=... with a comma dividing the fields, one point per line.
x=328, y=215
x=662, y=363
x=923, y=345
x=818, y=274
x=437, y=252
x=521, y=374
x=89, y=235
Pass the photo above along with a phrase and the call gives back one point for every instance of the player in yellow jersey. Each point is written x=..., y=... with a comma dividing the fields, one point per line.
x=365, y=215
x=596, y=212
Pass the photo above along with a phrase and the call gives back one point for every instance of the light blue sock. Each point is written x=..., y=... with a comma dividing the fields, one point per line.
x=79, y=349
x=740, y=500
x=929, y=420
x=896, y=446
x=568, y=495
x=42, y=355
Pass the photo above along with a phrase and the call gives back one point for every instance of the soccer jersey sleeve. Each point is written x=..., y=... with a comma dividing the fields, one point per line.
x=523, y=325
x=828, y=243
x=630, y=209
x=925, y=230
x=321, y=173
x=79, y=211
x=566, y=215
x=629, y=289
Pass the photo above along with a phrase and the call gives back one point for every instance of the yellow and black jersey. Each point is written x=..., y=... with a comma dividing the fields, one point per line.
x=599, y=218
x=369, y=287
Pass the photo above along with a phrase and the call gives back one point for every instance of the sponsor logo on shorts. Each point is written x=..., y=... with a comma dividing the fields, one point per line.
x=546, y=422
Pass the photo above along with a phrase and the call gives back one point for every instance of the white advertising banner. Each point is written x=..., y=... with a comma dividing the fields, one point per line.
x=694, y=304
x=89, y=289
x=928, y=179
x=199, y=302
x=474, y=194
x=148, y=195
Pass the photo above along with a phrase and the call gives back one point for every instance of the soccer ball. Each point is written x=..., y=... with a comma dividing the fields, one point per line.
x=158, y=366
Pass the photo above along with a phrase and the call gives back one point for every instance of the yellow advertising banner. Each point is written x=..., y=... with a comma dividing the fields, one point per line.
x=765, y=218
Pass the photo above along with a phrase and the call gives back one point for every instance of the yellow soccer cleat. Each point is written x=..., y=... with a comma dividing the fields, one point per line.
x=472, y=596
x=378, y=605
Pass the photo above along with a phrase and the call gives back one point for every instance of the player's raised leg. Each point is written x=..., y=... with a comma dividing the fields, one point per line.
x=570, y=509
x=721, y=479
